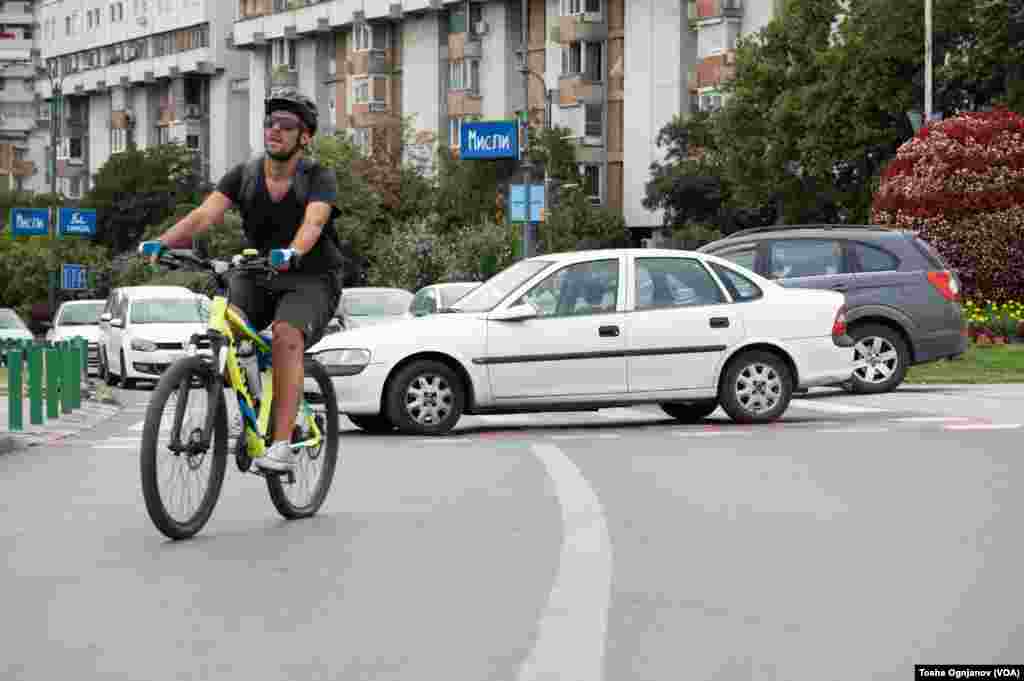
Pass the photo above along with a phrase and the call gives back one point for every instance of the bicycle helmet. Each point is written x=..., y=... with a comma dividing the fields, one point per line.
x=289, y=99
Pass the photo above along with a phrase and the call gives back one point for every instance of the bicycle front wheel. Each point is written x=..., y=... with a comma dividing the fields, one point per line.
x=181, y=484
x=314, y=466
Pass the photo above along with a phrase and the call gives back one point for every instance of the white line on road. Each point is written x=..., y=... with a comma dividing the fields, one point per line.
x=983, y=426
x=853, y=430
x=571, y=637
x=932, y=419
x=834, y=407
x=620, y=413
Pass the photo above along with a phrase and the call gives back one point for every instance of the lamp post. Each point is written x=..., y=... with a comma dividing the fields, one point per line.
x=529, y=239
x=927, y=62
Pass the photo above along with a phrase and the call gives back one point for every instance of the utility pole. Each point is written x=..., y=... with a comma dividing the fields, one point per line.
x=927, y=62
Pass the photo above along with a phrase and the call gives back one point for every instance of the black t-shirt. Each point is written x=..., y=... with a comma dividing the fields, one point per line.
x=268, y=225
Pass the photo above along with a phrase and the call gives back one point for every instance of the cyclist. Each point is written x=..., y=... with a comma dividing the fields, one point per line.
x=286, y=226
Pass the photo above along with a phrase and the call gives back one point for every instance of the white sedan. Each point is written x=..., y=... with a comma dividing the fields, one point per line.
x=593, y=329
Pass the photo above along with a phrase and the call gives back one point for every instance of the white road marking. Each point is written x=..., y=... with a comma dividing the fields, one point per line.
x=932, y=419
x=983, y=426
x=620, y=413
x=572, y=629
x=834, y=407
x=853, y=430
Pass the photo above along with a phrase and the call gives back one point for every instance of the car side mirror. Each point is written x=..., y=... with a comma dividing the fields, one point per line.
x=119, y=323
x=105, y=317
x=515, y=313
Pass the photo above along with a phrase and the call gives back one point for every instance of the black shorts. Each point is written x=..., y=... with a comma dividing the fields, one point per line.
x=306, y=301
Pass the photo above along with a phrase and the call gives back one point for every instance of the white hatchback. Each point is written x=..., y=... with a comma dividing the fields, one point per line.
x=144, y=329
x=587, y=330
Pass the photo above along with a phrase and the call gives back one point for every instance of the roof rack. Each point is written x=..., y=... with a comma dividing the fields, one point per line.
x=786, y=228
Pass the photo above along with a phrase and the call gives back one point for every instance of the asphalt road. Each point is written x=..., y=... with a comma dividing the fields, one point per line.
x=856, y=538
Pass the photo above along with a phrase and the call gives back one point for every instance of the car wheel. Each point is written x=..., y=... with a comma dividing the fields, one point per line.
x=689, y=412
x=425, y=398
x=880, y=358
x=372, y=423
x=127, y=383
x=756, y=388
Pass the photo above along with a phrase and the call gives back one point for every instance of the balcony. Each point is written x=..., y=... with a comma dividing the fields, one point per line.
x=282, y=75
x=249, y=9
x=23, y=168
x=17, y=13
x=373, y=114
x=699, y=10
x=464, y=46
x=16, y=48
x=369, y=63
x=580, y=88
x=589, y=26
x=464, y=103
x=711, y=71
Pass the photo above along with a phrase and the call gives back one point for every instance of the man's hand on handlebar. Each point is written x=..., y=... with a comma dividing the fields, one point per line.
x=152, y=250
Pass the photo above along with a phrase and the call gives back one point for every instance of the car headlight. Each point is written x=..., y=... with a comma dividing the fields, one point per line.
x=343, y=361
x=143, y=345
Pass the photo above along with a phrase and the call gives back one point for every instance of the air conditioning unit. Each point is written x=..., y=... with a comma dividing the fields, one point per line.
x=481, y=28
x=378, y=107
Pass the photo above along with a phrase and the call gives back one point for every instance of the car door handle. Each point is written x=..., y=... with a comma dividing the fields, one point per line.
x=719, y=322
x=840, y=287
x=608, y=331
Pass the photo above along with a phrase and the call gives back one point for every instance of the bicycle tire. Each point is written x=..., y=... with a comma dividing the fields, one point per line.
x=166, y=386
x=276, y=487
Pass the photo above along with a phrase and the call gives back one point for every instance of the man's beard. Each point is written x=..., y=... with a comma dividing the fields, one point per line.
x=282, y=155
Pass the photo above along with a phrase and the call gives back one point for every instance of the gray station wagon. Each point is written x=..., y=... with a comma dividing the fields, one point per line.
x=903, y=299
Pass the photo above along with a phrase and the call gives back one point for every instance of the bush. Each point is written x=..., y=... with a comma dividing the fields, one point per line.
x=959, y=183
x=576, y=225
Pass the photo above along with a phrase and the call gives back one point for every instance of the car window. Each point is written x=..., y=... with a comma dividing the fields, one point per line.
x=872, y=259
x=805, y=258
x=488, y=295
x=740, y=287
x=674, y=282
x=10, y=320
x=423, y=303
x=80, y=314
x=583, y=288
x=453, y=294
x=375, y=303
x=746, y=257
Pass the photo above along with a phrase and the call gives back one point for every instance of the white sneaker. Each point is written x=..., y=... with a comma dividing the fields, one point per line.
x=278, y=457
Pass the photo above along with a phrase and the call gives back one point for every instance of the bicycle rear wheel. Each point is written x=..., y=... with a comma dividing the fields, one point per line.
x=181, y=488
x=314, y=466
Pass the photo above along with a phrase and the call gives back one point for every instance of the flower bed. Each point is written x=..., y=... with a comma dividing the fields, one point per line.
x=991, y=323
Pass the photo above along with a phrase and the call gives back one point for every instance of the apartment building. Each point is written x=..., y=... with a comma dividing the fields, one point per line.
x=140, y=72
x=17, y=93
x=612, y=71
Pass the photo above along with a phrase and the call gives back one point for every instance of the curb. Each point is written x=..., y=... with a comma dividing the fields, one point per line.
x=99, y=404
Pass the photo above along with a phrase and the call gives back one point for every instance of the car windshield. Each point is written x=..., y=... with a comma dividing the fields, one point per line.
x=375, y=303
x=498, y=287
x=169, y=311
x=454, y=292
x=81, y=314
x=9, y=320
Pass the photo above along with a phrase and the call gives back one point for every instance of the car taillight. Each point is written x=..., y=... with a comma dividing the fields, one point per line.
x=839, y=325
x=946, y=284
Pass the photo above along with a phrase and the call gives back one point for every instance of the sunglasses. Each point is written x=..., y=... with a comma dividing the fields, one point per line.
x=286, y=124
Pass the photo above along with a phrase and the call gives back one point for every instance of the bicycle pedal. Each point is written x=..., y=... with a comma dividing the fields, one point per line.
x=263, y=472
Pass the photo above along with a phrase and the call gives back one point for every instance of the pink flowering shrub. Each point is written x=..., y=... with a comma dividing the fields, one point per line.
x=959, y=183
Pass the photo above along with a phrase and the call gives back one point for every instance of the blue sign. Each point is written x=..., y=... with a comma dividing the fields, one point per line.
x=76, y=221
x=30, y=221
x=518, y=202
x=72, y=277
x=489, y=140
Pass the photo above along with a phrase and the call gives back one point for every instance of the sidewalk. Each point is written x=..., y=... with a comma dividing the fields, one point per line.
x=98, y=405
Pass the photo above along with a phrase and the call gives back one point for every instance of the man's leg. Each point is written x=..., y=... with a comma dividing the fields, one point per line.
x=304, y=308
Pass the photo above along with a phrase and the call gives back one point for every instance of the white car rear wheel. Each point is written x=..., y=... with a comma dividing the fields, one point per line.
x=756, y=388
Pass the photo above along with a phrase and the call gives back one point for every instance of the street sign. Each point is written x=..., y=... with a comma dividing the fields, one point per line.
x=76, y=222
x=519, y=201
x=489, y=140
x=30, y=221
x=73, y=277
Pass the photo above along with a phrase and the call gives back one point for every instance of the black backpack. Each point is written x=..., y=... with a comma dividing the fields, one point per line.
x=301, y=182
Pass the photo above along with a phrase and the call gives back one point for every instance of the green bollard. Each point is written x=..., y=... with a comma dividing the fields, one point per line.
x=75, y=374
x=35, y=385
x=52, y=382
x=66, y=379
x=14, y=388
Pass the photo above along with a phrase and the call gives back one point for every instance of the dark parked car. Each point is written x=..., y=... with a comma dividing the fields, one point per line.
x=903, y=299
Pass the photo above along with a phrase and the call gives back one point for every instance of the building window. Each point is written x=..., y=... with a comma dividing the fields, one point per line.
x=284, y=53
x=570, y=7
x=366, y=37
x=592, y=121
x=592, y=6
x=592, y=182
x=455, y=132
x=361, y=140
x=592, y=62
x=361, y=91
x=572, y=58
x=464, y=75
x=118, y=140
x=710, y=101
x=457, y=19
x=192, y=142
x=67, y=25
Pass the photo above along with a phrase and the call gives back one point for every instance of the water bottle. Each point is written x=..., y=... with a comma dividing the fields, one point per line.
x=248, y=359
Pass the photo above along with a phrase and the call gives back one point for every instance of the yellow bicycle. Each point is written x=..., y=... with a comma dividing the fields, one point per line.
x=182, y=478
